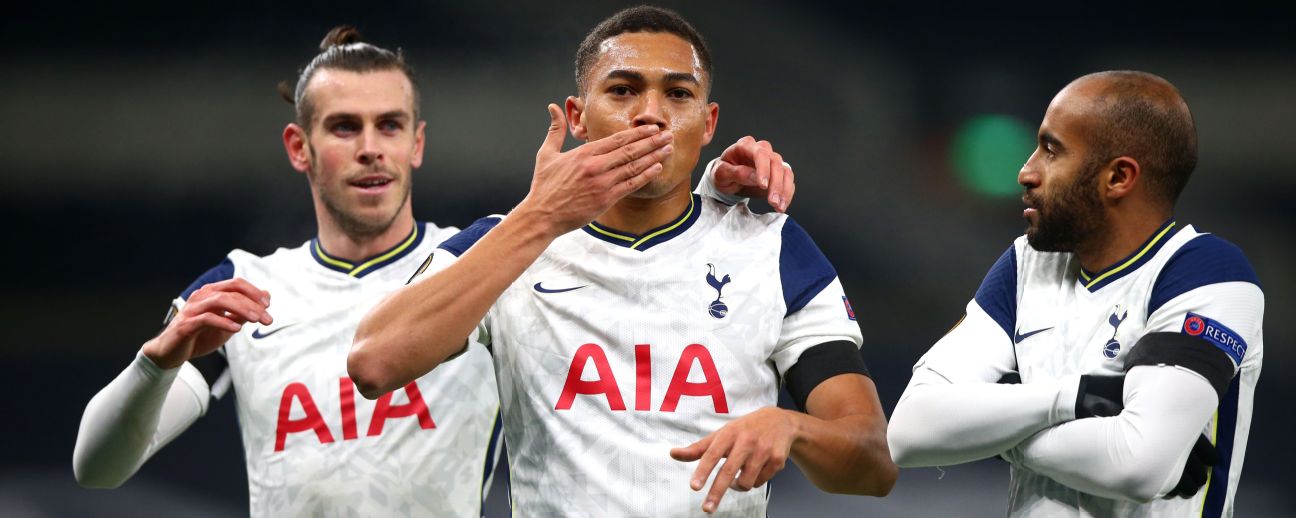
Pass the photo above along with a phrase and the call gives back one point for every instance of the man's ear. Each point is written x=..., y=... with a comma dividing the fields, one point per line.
x=417, y=159
x=297, y=146
x=575, y=110
x=1121, y=177
x=713, y=118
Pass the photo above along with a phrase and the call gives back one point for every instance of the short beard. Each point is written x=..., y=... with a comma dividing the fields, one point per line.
x=358, y=227
x=1071, y=219
x=352, y=225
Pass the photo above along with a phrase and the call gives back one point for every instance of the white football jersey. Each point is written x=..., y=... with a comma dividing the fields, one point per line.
x=1060, y=320
x=314, y=447
x=612, y=348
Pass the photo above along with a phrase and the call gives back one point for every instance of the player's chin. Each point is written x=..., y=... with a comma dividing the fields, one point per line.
x=373, y=218
x=655, y=188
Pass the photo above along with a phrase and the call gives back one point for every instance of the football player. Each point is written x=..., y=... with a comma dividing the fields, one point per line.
x=1132, y=332
x=312, y=447
x=641, y=333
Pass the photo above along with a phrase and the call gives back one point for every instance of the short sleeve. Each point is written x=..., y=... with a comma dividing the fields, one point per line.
x=221, y=272
x=466, y=238
x=974, y=351
x=997, y=295
x=214, y=368
x=1208, y=290
x=818, y=310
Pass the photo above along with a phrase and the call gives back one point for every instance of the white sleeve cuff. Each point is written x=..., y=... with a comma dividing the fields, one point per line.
x=706, y=186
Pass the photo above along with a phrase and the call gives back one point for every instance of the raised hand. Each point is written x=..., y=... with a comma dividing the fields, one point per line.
x=211, y=315
x=751, y=168
x=755, y=447
x=571, y=189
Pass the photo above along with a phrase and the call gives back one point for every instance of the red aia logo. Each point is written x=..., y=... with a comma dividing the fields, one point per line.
x=314, y=420
x=606, y=384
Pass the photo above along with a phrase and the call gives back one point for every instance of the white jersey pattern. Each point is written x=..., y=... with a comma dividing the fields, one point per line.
x=611, y=349
x=1059, y=320
x=313, y=446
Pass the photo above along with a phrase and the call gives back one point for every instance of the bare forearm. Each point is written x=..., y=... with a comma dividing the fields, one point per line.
x=844, y=455
x=416, y=328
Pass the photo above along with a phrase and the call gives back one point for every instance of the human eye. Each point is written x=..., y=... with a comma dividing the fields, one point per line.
x=620, y=90
x=344, y=128
x=1048, y=146
x=390, y=126
x=680, y=93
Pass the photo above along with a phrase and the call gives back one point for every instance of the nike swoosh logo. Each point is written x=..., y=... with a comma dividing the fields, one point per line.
x=1018, y=339
x=259, y=335
x=543, y=289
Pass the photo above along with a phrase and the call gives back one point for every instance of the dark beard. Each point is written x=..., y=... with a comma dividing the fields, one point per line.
x=1070, y=219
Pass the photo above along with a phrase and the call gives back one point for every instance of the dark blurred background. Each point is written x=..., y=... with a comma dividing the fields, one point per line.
x=141, y=143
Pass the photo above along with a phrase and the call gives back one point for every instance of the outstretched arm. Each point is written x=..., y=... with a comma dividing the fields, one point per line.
x=421, y=325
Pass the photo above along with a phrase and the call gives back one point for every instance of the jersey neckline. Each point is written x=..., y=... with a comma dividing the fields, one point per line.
x=371, y=264
x=652, y=237
x=1095, y=281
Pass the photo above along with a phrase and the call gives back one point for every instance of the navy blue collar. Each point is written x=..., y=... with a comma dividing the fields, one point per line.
x=1095, y=281
x=652, y=237
x=371, y=264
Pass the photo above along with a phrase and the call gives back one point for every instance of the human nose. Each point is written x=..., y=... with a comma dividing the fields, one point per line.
x=368, y=151
x=1028, y=176
x=650, y=111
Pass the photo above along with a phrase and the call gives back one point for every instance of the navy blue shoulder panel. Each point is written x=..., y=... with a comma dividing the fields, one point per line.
x=803, y=268
x=1204, y=260
x=466, y=238
x=221, y=272
x=997, y=295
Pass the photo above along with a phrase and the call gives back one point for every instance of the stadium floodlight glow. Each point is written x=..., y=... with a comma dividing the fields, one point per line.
x=987, y=151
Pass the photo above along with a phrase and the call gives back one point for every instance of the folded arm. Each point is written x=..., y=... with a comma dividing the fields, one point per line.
x=1136, y=455
x=953, y=411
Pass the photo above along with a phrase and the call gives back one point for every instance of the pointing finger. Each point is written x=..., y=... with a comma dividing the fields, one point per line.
x=789, y=188
x=691, y=452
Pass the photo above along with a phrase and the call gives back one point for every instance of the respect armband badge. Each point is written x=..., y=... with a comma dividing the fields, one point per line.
x=1217, y=334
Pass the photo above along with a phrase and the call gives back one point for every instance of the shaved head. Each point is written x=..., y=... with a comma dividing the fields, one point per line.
x=1142, y=116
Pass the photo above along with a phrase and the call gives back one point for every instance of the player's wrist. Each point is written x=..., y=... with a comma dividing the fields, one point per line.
x=540, y=222
x=1064, y=404
x=165, y=358
x=796, y=425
